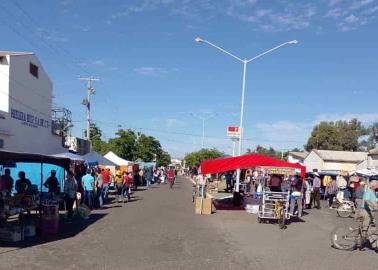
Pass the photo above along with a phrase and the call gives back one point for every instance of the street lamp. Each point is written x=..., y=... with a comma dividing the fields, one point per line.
x=203, y=119
x=244, y=62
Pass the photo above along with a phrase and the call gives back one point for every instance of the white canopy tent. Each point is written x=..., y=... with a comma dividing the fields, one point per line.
x=366, y=172
x=118, y=160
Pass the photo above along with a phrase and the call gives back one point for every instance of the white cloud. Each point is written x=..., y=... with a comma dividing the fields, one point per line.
x=51, y=35
x=278, y=20
x=351, y=19
x=334, y=2
x=150, y=71
x=360, y=4
x=365, y=118
x=98, y=63
x=290, y=134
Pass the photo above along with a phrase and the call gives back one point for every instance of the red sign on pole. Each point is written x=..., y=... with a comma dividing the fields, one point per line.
x=233, y=131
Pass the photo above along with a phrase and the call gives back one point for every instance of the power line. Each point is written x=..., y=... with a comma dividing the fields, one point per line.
x=59, y=48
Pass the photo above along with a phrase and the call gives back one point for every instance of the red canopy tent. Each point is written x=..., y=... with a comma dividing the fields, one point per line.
x=246, y=162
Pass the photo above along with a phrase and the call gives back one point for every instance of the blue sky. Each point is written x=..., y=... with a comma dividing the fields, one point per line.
x=155, y=77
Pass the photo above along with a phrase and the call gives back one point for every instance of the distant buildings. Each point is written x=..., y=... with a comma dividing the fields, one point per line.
x=297, y=157
x=334, y=161
x=26, y=123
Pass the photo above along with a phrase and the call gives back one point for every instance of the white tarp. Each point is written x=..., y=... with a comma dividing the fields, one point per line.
x=117, y=160
x=366, y=172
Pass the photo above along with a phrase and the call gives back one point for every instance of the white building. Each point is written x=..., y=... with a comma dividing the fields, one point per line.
x=326, y=160
x=297, y=157
x=25, y=105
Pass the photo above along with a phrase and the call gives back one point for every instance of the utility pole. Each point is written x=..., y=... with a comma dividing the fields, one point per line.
x=87, y=101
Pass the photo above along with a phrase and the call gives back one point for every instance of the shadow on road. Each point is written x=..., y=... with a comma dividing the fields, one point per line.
x=66, y=230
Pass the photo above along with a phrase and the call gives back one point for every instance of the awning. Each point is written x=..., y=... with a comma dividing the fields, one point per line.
x=246, y=162
x=71, y=156
x=7, y=157
x=117, y=160
x=94, y=157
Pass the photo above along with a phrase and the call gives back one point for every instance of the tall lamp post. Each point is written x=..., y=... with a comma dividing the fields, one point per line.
x=203, y=119
x=245, y=63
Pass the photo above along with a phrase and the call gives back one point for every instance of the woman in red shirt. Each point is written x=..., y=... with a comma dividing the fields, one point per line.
x=127, y=181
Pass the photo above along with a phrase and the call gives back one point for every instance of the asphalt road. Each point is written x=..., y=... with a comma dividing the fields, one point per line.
x=159, y=230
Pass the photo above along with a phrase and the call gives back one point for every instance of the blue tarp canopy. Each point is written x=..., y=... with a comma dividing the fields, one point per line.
x=94, y=157
x=70, y=155
x=36, y=166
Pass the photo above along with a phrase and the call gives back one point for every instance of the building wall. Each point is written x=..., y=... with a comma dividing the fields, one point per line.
x=339, y=166
x=29, y=116
x=4, y=85
x=373, y=161
x=313, y=161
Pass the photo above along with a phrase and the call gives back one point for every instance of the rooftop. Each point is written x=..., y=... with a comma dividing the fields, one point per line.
x=346, y=156
x=373, y=151
x=5, y=53
x=301, y=155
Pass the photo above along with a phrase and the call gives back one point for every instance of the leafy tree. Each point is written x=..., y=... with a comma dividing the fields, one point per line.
x=196, y=158
x=95, y=135
x=124, y=145
x=369, y=141
x=163, y=159
x=147, y=148
x=340, y=135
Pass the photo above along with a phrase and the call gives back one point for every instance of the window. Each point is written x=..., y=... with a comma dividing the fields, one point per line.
x=3, y=60
x=33, y=70
x=1, y=143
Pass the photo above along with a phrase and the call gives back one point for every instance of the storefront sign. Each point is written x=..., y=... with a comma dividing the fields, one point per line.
x=233, y=131
x=30, y=120
x=278, y=170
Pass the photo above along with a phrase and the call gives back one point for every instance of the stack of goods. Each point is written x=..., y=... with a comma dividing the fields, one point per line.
x=11, y=233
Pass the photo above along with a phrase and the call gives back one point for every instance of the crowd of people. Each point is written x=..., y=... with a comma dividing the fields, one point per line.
x=305, y=192
x=89, y=186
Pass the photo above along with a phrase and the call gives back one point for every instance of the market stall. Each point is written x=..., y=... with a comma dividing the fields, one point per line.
x=123, y=164
x=247, y=162
x=96, y=159
x=18, y=207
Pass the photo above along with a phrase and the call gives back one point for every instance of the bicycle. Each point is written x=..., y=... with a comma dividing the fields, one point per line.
x=279, y=211
x=346, y=209
x=349, y=238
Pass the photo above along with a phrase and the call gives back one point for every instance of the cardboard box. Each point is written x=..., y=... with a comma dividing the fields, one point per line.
x=204, y=204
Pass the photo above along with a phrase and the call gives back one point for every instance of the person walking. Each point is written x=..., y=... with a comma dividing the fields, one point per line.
x=99, y=183
x=316, y=189
x=88, y=183
x=295, y=194
x=171, y=177
x=307, y=191
x=118, y=184
x=106, y=180
x=70, y=189
x=127, y=181
x=331, y=190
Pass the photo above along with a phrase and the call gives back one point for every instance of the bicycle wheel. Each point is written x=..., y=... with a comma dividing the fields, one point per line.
x=344, y=210
x=345, y=238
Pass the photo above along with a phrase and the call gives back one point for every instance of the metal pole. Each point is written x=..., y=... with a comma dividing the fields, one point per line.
x=241, y=123
x=203, y=132
x=89, y=87
x=233, y=147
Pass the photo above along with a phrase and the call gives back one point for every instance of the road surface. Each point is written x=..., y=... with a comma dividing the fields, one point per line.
x=159, y=230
